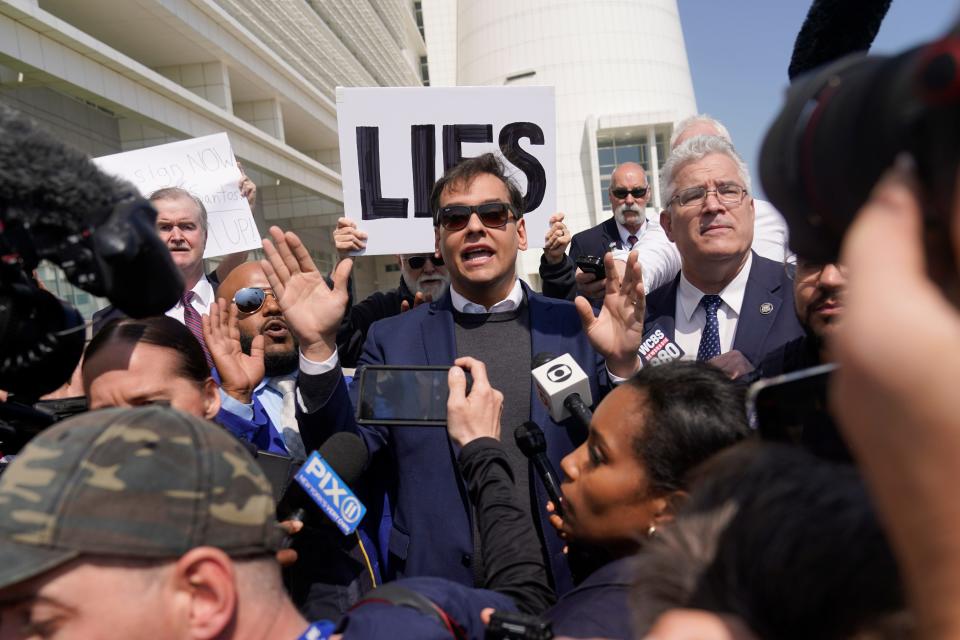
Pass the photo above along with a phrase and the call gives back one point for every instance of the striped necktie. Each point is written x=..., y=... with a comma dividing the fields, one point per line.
x=191, y=318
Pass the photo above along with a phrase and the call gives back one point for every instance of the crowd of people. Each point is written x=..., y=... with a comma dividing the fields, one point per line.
x=674, y=519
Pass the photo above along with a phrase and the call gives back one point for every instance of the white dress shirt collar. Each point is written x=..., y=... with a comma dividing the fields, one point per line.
x=688, y=296
x=511, y=302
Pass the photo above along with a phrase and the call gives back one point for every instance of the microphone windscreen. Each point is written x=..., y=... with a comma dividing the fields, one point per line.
x=347, y=454
x=834, y=29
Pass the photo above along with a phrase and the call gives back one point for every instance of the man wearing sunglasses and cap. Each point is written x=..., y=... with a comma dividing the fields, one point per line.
x=488, y=314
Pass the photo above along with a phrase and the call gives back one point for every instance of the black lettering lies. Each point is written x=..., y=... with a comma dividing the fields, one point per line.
x=510, y=137
x=373, y=206
x=423, y=152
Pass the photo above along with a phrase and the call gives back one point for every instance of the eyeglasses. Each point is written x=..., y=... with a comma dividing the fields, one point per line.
x=636, y=192
x=492, y=214
x=417, y=262
x=728, y=193
x=250, y=299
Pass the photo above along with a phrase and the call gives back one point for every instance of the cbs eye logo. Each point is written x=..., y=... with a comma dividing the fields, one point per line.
x=559, y=373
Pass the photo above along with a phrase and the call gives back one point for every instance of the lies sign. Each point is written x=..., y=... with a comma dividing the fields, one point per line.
x=395, y=143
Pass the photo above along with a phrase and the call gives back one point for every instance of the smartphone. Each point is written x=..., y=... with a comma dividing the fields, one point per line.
x=793, y=408
x=592, y=264
x=404, y=395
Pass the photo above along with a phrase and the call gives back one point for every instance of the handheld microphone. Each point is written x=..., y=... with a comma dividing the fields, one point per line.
x=563, y=387
x=533, y=445
x=325, y=477
x=656, y=348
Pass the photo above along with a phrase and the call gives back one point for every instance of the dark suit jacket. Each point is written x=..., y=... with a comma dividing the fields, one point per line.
x=757, y=333
x=432, y=528
x=595, y=241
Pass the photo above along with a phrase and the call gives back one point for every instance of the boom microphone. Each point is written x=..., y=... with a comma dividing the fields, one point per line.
x=55, y=204
x=533, y=444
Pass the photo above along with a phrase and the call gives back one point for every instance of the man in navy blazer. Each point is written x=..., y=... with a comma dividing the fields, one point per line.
x=728, y=305
x=628, y=229
x=487, y=314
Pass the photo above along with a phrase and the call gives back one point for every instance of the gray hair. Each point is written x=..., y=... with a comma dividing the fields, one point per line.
x=176, y=193
x=696, y=149
x=700, y=118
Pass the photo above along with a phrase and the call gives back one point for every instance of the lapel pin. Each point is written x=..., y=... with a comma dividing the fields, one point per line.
x=766, y=308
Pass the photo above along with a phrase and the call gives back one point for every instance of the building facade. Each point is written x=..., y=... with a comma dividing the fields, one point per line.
x=109, y=76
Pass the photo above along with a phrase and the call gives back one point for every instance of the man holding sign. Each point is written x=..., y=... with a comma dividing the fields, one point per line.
x=488, y=314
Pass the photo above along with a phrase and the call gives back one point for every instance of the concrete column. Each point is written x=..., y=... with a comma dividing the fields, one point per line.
x=265, y=115
x=654, y=174
x=209, y=80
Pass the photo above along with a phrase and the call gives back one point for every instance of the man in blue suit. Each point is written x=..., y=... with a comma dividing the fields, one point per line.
x=488, y=314
x=728, y=305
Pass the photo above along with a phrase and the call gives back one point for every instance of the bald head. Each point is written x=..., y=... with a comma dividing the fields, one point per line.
x=280, y=346
x=629, y=194
x=248, y=274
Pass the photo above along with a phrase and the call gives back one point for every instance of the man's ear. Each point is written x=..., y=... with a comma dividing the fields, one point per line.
x=667, y=223
x=522, y=234
x=205, y=583
x=211, y=399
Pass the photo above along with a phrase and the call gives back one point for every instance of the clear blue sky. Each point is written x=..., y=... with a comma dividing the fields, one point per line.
x=753, y=41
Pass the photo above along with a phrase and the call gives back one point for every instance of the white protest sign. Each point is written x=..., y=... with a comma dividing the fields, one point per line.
x=395, y=143
x=206, y=168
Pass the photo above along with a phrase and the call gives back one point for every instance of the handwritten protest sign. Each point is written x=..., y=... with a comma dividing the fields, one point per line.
x=395, y=143
x=206, y=168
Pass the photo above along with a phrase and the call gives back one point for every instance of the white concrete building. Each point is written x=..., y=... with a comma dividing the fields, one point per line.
x=114, y=75
x=620, y=71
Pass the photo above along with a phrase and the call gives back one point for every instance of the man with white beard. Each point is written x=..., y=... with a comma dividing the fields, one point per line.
x=423, y=278
x=628, y=229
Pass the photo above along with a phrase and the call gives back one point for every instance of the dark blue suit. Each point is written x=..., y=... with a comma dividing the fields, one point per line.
x=758, y=333
x=596, y=241
x=432, y=528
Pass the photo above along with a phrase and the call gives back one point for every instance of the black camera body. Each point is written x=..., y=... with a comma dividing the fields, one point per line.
x=844, y=124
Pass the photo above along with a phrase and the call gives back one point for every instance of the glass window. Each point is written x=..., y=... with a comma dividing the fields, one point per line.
x=424, y=71
x=629, y=153
x=418, y=14
x=606, y=156
x=616, y=146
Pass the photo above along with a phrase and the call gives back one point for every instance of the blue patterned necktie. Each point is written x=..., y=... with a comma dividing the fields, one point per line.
x=710, y=338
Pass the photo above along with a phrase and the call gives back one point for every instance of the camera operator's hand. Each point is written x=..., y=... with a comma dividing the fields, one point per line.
x=311, y=309
x=895, y=394
x=239, y=373
x=476, y=415
x=617, y=332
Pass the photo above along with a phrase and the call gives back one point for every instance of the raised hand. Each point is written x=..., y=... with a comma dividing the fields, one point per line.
x=556, y=240
x=311, y=309
x=347, y=238
x=476, y=415
x=617, y=332
x=239, y=373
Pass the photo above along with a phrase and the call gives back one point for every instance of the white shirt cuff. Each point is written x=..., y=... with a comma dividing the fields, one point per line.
x=312, y=368
x=234, y=406
x=614, y=378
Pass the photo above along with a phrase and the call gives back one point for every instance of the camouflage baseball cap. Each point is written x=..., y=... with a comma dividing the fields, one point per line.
x=149, y=482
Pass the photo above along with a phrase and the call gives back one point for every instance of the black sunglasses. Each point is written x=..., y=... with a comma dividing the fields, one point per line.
x=492, y=214
x=636, y=192
x=417, y=262
x=250, y=299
